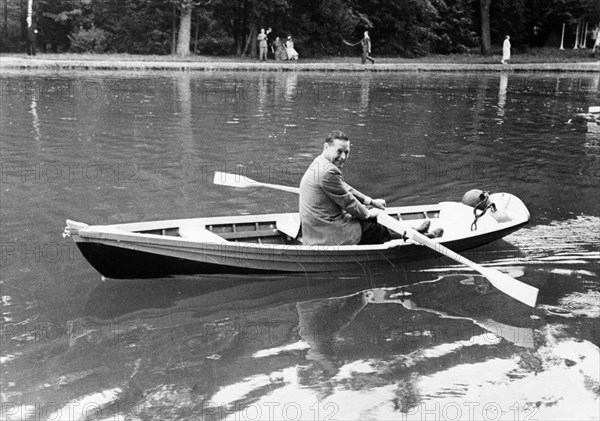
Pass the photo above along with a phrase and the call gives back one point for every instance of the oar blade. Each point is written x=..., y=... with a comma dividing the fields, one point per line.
x=240, y=181
x=232, y=180
x=509, y=285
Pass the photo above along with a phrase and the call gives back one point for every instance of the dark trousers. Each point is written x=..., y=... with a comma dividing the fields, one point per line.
x=31, y=43
x=374, y=233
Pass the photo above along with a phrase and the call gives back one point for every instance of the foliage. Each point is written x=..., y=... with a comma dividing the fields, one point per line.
x=140, y=27
x=318, y=26
x=213, y=46
x=93, y=40
x=454, y=29
x=405, y=28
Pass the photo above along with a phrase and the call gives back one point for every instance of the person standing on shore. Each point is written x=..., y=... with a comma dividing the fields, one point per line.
x=506, y=50
x=366, y=48
x=263, y=44
x=280, y=53
x=292, y=54
x=597, y=39
x=32, y=40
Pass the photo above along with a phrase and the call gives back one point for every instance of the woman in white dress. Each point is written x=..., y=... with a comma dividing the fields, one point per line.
x=506, y=50
x=289, y=48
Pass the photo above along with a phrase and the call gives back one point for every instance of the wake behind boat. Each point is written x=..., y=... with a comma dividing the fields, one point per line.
x=272, y=243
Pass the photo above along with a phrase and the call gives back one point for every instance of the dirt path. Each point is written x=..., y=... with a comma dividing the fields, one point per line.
x=39, y=62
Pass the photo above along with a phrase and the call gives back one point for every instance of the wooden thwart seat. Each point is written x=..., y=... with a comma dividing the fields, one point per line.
x=199, y=233
x=289, y=224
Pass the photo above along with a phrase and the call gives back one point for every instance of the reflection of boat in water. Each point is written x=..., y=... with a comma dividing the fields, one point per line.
x=228, y=348
x=208, y=295
x=263, y=244
x=521, y=335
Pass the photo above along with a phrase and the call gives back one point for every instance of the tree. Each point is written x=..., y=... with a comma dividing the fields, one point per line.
x=486, y=41
x=515, y=18
x=185, y=28
x=454, y=28
x=400, y=27
x=408, y=27
x=184, y=35
x=242, y=19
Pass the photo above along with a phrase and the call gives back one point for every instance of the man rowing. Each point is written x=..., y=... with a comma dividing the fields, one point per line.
x=334, y=213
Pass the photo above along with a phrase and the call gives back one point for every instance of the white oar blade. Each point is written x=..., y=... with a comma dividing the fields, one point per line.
x=509, y=285
x=240, y=181
x=232, y=180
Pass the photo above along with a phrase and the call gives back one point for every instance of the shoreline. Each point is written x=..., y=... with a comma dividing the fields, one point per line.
x=58, y=64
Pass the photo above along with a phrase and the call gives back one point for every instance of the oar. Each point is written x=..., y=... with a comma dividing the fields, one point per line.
x=241, y=181
x=516, y=289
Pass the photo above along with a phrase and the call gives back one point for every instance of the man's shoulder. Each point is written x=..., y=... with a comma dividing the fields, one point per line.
x=326, y=166
x=321, y=169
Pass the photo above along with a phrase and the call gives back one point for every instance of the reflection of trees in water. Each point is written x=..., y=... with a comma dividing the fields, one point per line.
x=35, y=119
x=291, y=87
x=502, y=96
x=365, y=89
x=327, y=326
x=407, y=394
x=203, y=353
x=320, y=321
x=183, y=96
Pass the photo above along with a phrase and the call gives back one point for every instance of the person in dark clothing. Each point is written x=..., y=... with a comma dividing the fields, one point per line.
x=31, y=40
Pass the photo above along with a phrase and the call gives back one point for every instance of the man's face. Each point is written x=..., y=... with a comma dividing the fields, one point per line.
x=337, y=152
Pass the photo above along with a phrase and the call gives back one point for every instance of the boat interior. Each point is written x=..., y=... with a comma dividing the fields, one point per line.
x=279, y=229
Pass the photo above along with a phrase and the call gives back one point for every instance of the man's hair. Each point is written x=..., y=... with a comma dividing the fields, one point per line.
x=336, y=134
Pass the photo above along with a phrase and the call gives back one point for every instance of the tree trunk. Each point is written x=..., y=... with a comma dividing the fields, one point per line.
x=486, y=43
x=251, y=39
x=185, y=30
x=196, y=34
x=23, y=20
x=173, y=30
x=5, y=27
x=29, y=13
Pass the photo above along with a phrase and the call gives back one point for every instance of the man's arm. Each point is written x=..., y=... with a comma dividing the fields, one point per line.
x=364, y=199
x=337, y=190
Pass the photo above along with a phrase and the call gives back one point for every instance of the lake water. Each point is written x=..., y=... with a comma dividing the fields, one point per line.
x=426, y=341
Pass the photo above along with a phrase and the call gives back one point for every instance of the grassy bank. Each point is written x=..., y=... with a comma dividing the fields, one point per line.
x=532, y=60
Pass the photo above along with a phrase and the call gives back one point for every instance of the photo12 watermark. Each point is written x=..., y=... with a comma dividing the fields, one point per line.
x=73, y=331
x=69, y=91
x=279, y=90
x=469, y=411
x=88, y=408
x=243, y=173
x=68, y=172
x=288, y=410
x=34, y=252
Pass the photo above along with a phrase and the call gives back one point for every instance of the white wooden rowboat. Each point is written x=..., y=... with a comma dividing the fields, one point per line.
x=264, y=243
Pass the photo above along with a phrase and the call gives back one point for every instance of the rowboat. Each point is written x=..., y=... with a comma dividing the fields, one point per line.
x=272, y=243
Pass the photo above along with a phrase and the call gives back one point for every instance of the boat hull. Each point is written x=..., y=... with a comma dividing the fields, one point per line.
x=137, y=251
x=122, y=263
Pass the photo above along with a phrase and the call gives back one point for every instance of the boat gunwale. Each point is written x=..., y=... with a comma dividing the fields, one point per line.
x=280, y=261
x=266, y=217
x=109, y=234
